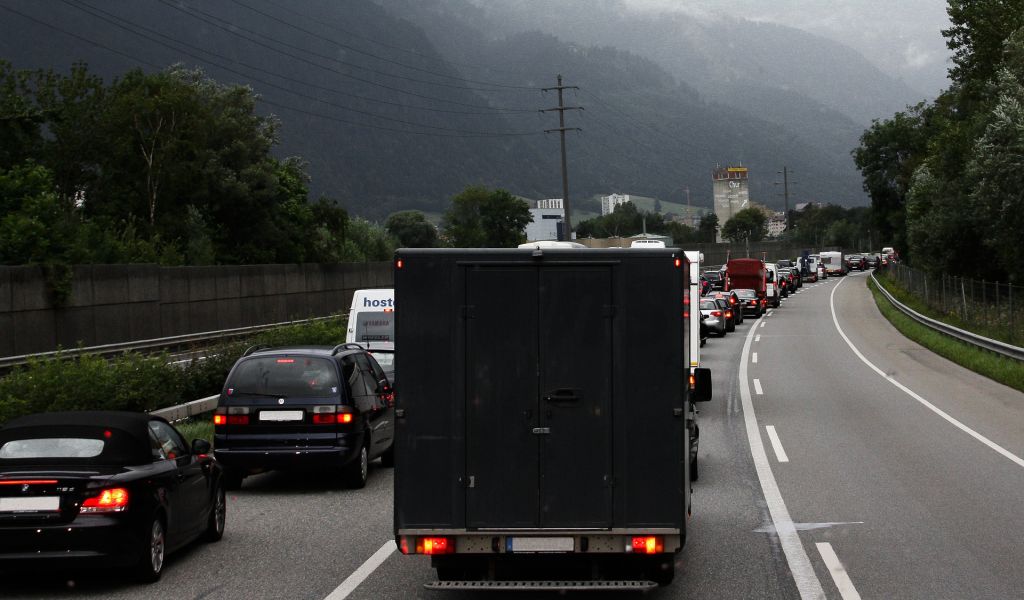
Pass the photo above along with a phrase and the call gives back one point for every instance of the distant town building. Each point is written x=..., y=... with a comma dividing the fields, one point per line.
x=611, y=202
x=550, y=203
x=732, y=193
x=776, y=224
x=545, y=223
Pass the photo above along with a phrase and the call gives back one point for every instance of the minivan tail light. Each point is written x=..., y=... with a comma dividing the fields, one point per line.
x=107, y=501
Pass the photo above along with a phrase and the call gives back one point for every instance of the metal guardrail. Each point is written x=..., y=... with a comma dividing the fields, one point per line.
x=189, y=409
x=1008, y=350
x=176, y=340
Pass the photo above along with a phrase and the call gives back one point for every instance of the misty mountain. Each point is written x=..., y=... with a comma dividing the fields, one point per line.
x=717, y=55
x=402, y=105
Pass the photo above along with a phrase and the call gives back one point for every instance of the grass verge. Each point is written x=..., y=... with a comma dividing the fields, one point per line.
x=997, y=328
x=136, y=382
x=200, y=426
x=1006, y=371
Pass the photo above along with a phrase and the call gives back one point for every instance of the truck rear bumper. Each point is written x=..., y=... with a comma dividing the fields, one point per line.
x=546, y=542
x=545, y=586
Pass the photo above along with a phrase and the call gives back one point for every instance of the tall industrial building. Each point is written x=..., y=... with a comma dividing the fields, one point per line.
x=732, y=193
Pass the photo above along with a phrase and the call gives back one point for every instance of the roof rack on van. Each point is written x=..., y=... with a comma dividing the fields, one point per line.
x=252, y=349
x=346, y=346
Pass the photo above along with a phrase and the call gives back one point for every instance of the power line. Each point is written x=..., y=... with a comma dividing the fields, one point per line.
x=370, y=54
x=335, y=26
x=291, y=91
x=262, y=100
x=491, y=111
x=233, y=29
x=80, y=38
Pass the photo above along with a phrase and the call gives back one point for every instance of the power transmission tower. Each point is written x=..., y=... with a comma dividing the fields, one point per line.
x=561, y=108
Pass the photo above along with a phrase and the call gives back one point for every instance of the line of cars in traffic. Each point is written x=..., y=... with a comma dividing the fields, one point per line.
x=748, y=287
x=85, y=489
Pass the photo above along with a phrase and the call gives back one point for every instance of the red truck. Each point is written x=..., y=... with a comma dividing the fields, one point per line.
x=749, y=274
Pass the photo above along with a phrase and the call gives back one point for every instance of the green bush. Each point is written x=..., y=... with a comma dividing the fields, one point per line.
x=137, y=382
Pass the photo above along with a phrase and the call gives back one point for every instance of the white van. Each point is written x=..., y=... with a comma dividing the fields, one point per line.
x=693, y=260
x=371, y=317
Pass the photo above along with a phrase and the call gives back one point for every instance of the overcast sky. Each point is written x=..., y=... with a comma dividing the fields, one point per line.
x=902, y=37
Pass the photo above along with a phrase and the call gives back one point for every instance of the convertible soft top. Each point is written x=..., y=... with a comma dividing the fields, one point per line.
x=125, y=434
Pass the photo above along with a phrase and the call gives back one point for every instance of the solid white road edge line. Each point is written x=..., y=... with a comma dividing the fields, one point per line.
x=359, y=575
x=757, y=387
x=804, y=577
x=910, y=392
x=780, y=453
x=838, y=571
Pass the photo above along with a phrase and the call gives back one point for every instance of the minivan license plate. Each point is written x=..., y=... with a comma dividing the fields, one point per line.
x=281, y=415
x=543, y=544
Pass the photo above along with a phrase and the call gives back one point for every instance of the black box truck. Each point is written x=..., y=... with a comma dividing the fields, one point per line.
x=541, y=417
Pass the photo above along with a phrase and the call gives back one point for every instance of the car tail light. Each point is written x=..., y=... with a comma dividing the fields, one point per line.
x=107, y=501
x=732, y=300
x=728, y=314
x=647, y=544
x=220, y=420
x=238, y=419
x=716, y=313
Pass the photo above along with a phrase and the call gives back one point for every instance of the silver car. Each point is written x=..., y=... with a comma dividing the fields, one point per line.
x=714, y=316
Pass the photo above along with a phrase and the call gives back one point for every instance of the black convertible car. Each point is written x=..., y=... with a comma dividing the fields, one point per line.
x=103, y=489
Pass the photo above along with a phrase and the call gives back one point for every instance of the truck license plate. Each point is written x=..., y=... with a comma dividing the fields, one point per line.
x=543, y=544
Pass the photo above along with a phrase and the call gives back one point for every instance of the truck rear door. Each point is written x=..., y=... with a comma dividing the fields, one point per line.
x=538, y=394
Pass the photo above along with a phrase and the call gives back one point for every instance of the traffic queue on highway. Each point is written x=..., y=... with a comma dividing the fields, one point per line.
x=124, y=489
x=750, y=286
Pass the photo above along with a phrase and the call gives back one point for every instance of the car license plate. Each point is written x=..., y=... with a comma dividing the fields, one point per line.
x=282, y=415
x=543, y=544
x=30, y=503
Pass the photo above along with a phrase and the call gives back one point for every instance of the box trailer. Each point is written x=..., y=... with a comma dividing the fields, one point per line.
x=749, y=274
x=541, y=435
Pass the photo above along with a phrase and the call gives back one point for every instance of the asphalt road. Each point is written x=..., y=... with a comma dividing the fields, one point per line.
x=881, y=496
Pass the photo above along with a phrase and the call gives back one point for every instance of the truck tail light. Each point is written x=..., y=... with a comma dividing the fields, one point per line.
x=427, y=545
x=648, y=544
x=108, y=501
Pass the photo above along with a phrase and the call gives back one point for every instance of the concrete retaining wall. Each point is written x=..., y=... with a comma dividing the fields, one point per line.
x=123, y=303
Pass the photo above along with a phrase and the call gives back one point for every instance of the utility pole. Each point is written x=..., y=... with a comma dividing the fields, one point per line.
x=785, y=191
x=567, y=230
x=689, y=210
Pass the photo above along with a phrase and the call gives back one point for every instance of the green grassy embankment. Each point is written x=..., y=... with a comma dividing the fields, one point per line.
x=999, y=368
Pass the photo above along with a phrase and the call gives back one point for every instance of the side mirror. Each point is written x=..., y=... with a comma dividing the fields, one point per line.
x=700, y=385
x=200, y=447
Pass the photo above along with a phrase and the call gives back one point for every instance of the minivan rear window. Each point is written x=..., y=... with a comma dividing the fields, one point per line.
x=284, y=376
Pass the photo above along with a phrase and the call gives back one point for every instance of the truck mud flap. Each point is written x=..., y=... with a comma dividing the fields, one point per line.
x=544, y=586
